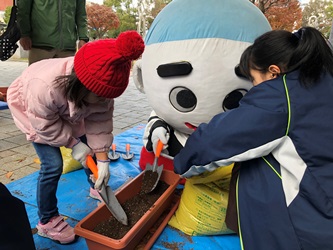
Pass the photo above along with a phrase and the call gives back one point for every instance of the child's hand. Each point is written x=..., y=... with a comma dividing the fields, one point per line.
x=80, y=151
x=103, y=174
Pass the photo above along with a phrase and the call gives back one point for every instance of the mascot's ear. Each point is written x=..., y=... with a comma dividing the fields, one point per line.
x=137, y=76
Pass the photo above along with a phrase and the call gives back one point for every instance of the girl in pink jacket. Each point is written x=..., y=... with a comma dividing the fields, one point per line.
x=69, y=102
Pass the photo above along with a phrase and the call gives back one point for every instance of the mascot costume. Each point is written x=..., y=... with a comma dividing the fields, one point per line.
x=187, y=68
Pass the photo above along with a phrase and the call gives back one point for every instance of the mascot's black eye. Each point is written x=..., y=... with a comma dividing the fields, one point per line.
x=231, y=100
x=183, y=99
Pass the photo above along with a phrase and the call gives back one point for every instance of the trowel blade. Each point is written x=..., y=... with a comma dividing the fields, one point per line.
x=113, y=204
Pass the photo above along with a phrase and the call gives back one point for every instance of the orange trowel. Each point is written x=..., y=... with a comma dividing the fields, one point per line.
x=152, y=173
x=107, y=195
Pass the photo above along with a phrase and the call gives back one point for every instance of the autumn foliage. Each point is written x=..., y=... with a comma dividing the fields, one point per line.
x=286, y=17
x=101, y=19
x=281, y=14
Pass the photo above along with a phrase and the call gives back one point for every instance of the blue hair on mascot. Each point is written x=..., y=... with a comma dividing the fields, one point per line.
x=187, y=68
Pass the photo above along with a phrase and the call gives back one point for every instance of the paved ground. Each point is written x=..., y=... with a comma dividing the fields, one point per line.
x=17, y=156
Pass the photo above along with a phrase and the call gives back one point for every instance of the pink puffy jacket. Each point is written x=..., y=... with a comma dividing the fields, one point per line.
x=43, y=113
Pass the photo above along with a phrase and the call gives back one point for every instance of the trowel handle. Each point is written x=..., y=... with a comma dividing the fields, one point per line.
x=159, y=148
x=128, y=147
x=113, y=147
x=92, y=166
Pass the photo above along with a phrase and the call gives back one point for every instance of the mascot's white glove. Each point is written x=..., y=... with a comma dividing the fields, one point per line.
x=162, y=134
x=103, y=174
x=80, y=151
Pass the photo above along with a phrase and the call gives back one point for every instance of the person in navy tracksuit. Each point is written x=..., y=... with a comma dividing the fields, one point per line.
x=282, y=133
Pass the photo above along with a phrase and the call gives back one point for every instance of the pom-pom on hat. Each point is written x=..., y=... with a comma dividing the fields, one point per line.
x=103, y=66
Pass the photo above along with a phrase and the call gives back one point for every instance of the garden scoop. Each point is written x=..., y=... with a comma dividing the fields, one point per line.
x=128, y=156
x=152, y=173
x=107, y=195
x=113, y=156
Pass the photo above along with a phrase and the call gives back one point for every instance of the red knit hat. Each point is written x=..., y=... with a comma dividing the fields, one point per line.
x=103, y=66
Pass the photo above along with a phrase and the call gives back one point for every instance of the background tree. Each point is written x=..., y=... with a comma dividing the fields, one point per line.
x=287, y=16
x=137, y=16
x=7, y=14
x=158, y=6
x=127, y=14
x=329, y=16
x=331, y=35
x=265, y=5
x=281, y=14
x=3, y=25
x=318, y=14
x=101, y=19
x=144, y=14
x=147, y=11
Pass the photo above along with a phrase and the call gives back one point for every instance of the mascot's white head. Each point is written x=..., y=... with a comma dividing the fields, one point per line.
x=192, y=48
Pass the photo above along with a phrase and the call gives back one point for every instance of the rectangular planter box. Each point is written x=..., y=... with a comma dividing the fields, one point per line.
x=164, y=223
x=97, y=241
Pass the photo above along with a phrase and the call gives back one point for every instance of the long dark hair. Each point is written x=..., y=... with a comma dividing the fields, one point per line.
x=74, y=90
x=306, y=50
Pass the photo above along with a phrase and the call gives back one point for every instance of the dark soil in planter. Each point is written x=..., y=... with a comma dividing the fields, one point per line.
x=135, y=208
x=149, y=180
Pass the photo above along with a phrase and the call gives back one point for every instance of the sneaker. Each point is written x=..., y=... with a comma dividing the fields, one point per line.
x=57, y=230
x=93, y=193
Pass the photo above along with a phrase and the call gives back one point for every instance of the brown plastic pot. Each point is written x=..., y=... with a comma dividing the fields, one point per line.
x=3, y=90
x=97, y=241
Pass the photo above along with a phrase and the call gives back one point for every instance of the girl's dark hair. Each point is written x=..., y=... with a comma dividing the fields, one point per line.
x=73, y=89
x=306, y=50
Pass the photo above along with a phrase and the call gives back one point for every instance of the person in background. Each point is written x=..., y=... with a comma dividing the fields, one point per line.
x=77, y=100
x=13, y=236
x=282, y=135
x=51, y=28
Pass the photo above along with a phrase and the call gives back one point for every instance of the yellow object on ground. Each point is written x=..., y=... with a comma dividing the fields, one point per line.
x=69, y=164
x=203, y=204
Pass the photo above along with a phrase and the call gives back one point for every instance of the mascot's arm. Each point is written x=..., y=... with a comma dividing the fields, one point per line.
x=156, y=129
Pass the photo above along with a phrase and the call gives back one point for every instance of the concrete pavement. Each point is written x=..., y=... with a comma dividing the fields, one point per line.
x=17, y=156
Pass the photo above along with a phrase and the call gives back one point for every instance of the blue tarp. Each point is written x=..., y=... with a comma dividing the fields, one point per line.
x=74, y=201
x=3, y=105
